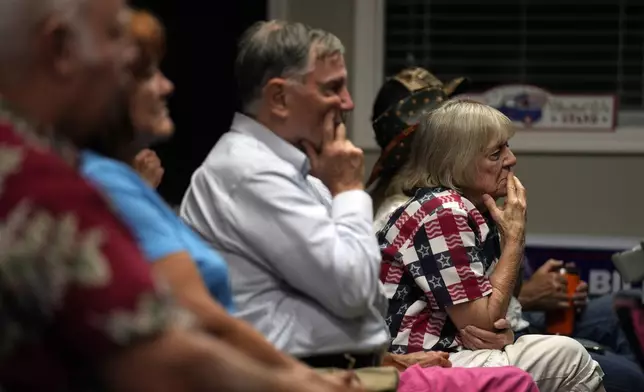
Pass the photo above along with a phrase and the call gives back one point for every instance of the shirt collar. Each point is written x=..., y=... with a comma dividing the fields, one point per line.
x=37, y=135
x=280, y=147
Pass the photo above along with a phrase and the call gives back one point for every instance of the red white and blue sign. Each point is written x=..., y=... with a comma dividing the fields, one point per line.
x=533, y=108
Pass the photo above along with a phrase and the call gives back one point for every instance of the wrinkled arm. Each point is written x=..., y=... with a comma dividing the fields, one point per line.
x=333, y=259
x=519, y=281
x=451, y=271
x=483, y=312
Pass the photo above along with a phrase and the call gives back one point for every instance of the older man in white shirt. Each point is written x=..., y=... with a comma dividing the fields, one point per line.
x=304, y=266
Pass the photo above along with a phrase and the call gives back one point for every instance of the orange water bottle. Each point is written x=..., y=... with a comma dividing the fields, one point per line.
x=562, y=321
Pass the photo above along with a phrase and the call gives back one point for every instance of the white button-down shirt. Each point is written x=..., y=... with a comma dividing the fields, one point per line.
x=304, y=267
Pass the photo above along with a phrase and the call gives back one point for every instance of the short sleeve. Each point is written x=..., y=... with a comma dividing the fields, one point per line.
x=446, y=260
x=69, y=265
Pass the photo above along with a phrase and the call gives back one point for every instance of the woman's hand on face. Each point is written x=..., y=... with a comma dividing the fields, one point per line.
x=148, y=165
x=510, y=218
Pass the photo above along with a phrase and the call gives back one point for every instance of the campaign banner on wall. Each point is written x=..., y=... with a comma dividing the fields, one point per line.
x=533, y=108
x=594, y=264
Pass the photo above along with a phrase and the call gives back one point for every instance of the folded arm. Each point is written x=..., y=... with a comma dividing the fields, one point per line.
x=453, y=275
x=483, y=312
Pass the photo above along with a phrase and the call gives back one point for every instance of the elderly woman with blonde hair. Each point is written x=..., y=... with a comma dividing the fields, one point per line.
x=451, y=256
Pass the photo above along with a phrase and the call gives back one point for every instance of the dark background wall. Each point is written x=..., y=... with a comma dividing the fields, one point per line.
x=202, y=38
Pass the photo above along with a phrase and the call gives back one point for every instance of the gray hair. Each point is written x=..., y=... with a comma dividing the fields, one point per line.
x=278, y=49
x=447, y=144
x=19, y=19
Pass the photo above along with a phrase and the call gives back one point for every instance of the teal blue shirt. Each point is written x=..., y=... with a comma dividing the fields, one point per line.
x=156, y=227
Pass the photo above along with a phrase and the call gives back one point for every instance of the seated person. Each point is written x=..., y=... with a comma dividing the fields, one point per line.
x=444, y=266
x=415, y=90
x=303, y=258
x=295, y=260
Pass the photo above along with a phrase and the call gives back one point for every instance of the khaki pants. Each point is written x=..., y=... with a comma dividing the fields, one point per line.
x=556, y=363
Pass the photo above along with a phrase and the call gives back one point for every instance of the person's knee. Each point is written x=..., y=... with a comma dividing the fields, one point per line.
x=559, y=362
x=570, y=349
x=556, y=363
x=560, y=353
x=570, y=355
